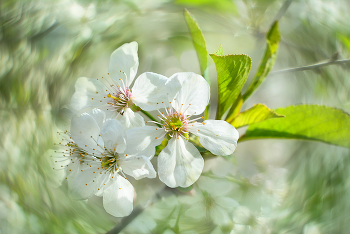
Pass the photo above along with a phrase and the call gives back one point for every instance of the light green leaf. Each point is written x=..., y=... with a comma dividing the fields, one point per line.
x=220, y=51
x=198, y=41
x=305, y=122
x=232, y=72
x=215, y=5
x=235, y=109
x=255, y=114
x=273, y=38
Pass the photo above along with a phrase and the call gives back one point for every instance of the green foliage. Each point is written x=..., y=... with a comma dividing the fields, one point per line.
x=198, y=41
x=305, y=122
x=273, y=38
x=221, y=5
x=235, y=109
x=255, y=114
x=232, y=72
x=220, y=51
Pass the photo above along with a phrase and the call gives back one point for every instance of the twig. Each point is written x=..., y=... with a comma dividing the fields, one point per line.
x=282, y=10
x=311, y=67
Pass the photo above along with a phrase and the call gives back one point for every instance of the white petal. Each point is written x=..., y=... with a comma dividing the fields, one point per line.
x=88, y=93
x=214, y=187
x=218, y=136
x=226, y=203
x=142, y=141
x=138, y=167
x=196, y=211
x=98, y=115
x=85, y=132
x=114, y=136
x=179, y=163
x=87, y=181
x=219, y=215
x=149, y=92
x=190, y=91
x=131, y=119
x=124, y=63
x=118, y=197
x=73, y=170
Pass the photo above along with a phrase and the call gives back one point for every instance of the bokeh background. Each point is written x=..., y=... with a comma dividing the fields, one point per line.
x=281, y=186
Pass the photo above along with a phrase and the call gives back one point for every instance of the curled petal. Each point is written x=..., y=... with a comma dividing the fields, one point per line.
x=118, y=197
x=138, y=167
x=114, y=136
x=179, y=163
x=149, y=92
x=124, y=63
x=218, y=136
x=188, y=93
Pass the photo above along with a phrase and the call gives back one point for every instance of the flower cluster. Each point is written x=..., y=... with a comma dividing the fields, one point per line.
x=109, y=139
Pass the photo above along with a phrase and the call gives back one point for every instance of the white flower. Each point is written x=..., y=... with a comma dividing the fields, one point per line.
x=180, y=163
x=212, y=201
x=246, y=221
x=99, y=161
x=114, y=94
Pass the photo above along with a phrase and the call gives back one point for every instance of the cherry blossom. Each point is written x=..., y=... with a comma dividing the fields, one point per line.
x=180, y=163
x=114, y=93
x=99, y=162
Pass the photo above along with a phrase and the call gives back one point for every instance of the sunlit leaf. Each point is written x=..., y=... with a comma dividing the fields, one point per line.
x=305, y=122
x=232, y=72
x=255, y=114
x=273, y=38
x=345, y=41
x=198, y=40
x=235, y=109
x=220, y=51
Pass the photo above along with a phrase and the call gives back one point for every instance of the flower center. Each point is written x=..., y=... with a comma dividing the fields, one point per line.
x=175, y=124
x=120, y=100
x=110, y=162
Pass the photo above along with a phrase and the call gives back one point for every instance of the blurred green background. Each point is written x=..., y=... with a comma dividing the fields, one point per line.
x=282, y=186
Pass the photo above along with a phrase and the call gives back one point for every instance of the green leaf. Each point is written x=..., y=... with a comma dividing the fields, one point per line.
x=220, y=51
x=198, y=41
x=232, y=72
x=214, y=5
x=235, y=109
x=255, y=114
x=273, y=38
x=305, y=122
